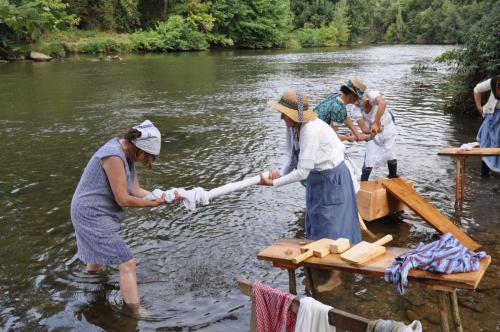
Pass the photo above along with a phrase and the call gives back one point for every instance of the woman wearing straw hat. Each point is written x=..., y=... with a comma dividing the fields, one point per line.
x=373, y=117
x=314, y=152
x=109, y=183
x=333, y=109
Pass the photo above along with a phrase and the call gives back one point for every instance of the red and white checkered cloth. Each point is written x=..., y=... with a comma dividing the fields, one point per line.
x=272, y=309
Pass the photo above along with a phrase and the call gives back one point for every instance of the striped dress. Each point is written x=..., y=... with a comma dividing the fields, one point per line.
x=95, y=213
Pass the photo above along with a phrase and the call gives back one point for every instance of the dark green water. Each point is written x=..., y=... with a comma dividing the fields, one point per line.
x=210, y=108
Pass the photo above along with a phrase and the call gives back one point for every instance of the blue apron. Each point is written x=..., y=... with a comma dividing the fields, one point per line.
x=489, y=137
x=331, y=205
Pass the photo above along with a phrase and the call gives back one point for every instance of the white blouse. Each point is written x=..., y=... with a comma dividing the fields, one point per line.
x=492, y=104
x=320, y=149
x=357, y=114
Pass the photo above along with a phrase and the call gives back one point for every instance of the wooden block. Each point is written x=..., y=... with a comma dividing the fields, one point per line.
x=321, y=248
x=427, y=211
x=375, y=202
x=365, y=251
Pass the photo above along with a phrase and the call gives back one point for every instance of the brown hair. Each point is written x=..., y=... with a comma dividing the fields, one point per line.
x=148, y=159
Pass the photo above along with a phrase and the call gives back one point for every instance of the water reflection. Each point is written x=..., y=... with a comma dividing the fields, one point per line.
x=210, y=107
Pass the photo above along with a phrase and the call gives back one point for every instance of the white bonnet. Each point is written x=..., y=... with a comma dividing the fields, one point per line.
x=150, y=140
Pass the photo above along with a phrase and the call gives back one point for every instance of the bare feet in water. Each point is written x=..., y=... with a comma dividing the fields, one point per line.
x=331, y=283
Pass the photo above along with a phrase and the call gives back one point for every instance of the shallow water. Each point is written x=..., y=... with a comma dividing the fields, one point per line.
x=211, y=109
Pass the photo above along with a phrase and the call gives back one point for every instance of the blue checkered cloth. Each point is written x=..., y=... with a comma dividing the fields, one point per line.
x=446, y=255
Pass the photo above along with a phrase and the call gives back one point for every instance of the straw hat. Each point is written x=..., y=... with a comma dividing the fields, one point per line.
x=288, y=105
x=356, y=86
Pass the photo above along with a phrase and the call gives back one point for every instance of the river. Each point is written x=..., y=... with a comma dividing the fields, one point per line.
x=211, y=109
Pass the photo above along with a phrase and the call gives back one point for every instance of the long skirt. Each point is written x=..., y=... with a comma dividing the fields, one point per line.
x=489, y=137
x=331, y=205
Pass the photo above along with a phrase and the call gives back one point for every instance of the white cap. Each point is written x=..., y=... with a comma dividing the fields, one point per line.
x=150, y=140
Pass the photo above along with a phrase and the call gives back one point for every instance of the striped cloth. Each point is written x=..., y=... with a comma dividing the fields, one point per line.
x=446, y=255
x=272, y=309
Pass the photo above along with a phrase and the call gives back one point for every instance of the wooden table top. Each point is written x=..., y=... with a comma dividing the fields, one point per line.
x=284, y=250
x=473, y=152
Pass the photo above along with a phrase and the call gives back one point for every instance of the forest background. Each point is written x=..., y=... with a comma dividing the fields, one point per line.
x=63, y=27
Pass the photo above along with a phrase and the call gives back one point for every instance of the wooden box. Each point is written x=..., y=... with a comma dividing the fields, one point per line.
x=375, y=202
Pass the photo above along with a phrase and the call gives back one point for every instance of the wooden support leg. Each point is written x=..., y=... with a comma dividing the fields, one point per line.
x=364, y=228
x=462, y=182
x=455, y=311
x=310, y=282
x=292, y=282
x=443, y=312
x=458, y=185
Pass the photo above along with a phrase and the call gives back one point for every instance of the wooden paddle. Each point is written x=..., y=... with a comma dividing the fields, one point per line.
x=321, y=248
x=365, y=251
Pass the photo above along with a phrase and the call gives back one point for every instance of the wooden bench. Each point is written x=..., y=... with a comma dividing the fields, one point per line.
x=338, y=318
x=282, y=252
x=460, y=156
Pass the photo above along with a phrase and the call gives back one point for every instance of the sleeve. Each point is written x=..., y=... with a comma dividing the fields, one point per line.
x=483, y=86
x=294, y=176
x=372, y=96
x=356, y=113
x=309, y=146
x=285, y=165
x=323, y=111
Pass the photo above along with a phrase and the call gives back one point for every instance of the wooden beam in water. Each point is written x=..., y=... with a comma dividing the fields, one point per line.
x=427, y=211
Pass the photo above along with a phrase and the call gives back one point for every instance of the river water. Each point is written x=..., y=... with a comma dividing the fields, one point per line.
x=211, y=110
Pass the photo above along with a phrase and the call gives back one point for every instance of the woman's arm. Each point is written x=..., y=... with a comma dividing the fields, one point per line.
x=477, y=100
x=115, y=171
x=382, y=104
x=137, y=191
x=352, y=127
x=363, y=126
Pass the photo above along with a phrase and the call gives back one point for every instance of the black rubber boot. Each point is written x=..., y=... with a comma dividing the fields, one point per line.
x=365, y=173
x=485, y=170
x=393, y=168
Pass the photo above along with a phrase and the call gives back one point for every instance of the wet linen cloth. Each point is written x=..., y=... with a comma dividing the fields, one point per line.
x=272, y=309
x=381, y=325
x=313, y=316
x=446, y=255
x=198, y=195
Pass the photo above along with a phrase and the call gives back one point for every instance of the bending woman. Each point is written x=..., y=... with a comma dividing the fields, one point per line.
x=314, y=152
x=373, y=117
x=108, y=184
x=489, y=132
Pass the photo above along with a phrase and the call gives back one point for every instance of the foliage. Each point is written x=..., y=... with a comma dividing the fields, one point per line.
x=26, y=22
x=478, y=60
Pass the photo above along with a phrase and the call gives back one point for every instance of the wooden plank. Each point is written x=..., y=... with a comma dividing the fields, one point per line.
x=365, y=251
x=376, y=267
x=453, y=151
x=338, y=318
x=427, y=211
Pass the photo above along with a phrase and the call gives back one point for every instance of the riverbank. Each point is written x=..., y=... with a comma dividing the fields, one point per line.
x=108, y=45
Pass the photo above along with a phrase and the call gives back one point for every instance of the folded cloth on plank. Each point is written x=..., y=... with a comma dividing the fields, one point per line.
x=469, y=146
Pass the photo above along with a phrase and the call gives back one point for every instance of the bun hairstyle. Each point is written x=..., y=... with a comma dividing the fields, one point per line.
x=148, y=159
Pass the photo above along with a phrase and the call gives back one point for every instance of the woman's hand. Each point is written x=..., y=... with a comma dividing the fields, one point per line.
x=374, y=128
x=266, y=180
x=158, y=201
x=177, y=197
x=351, y=138
x=360, y=137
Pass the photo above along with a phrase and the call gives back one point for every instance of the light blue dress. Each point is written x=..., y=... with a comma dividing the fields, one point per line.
x=95, y=213
x=489, y=137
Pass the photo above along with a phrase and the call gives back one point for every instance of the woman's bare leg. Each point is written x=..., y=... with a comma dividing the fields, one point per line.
x=128, y=283
x=91, y=267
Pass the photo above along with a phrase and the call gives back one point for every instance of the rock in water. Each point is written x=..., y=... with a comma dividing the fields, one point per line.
x=37, y=56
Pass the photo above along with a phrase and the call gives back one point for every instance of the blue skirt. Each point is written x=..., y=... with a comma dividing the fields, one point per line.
x=331, y=205
x=489, y=137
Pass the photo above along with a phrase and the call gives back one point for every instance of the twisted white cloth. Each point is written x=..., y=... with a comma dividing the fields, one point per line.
x=313, y=316
x=198, y=195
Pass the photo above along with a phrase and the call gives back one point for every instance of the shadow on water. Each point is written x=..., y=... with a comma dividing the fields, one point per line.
x=210, y=108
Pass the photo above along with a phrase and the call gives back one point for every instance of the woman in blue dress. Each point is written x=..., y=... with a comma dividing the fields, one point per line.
x=314, y=153
x=489, y=132
x=108, y=184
